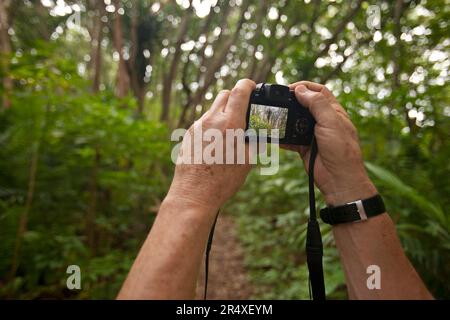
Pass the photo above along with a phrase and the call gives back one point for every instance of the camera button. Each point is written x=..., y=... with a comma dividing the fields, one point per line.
x=301, y=125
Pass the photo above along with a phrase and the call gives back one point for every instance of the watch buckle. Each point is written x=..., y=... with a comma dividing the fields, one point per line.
x=360, y=209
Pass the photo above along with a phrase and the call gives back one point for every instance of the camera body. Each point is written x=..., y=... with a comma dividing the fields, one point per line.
x=274, y=106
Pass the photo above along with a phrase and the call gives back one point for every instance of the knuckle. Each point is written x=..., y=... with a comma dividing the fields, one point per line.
x=237, y=92
x=354, y=131
x=211, y=121
x=325, y=90
x=207, y=122
x=236, y=123
x=224, y=92
x=317, y=97
x=352, y=127
x=342, y=112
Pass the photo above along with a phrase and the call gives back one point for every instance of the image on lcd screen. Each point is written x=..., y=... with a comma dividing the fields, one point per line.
x=268, y=117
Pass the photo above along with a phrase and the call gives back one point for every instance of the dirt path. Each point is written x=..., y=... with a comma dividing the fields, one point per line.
x=227, y=276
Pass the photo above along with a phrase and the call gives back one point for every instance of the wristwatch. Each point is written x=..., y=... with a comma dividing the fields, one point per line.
x=358, y=210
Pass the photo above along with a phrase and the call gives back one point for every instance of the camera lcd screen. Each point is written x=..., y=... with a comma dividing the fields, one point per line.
x=269, y=118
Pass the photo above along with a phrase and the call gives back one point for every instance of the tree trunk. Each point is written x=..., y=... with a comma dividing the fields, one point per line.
x=134, y=74
x=5, y=52
x=23, y=220
x=262, y=11
x=214, y=66
x=96, y=53
x=170, y=75
x=141, y=99
x=123, y=78
x=265, y=65
x=224, y=13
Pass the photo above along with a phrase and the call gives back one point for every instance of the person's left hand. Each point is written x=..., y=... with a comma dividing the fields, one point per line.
x=210, y=185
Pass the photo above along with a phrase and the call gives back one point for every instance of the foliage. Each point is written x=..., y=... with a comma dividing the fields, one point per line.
x=87, y=110
x=86, y=144
x=257, y=123
x=272, y=213
x=425, y=232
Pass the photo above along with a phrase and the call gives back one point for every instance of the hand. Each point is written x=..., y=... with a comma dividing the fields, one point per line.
x=210, y=185
x=339, y=170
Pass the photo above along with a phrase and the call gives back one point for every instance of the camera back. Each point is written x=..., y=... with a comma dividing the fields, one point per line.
x=275, y=114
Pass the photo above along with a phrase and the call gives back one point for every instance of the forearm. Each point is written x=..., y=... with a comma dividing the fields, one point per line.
x=169, y=261
x=375, y=242
x=168, y=264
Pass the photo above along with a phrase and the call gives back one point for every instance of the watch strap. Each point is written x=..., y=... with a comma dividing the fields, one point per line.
x=353, y=211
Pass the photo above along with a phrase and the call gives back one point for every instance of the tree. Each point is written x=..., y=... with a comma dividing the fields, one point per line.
x=5, y=51
x=123, y=78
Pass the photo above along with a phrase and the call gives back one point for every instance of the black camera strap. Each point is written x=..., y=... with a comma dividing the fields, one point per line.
x=207, y=251
x=314, y=246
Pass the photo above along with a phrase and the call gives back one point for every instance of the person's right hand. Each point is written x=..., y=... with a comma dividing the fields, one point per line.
x=209, y=185
x=339, y=170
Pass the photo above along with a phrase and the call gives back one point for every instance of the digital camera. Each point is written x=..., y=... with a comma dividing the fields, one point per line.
x=274, y=106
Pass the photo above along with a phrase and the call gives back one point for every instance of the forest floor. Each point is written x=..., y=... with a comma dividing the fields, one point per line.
x=228, y=278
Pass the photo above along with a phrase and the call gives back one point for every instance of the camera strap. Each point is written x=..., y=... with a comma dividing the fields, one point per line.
x=207, y=251
x=314, y=246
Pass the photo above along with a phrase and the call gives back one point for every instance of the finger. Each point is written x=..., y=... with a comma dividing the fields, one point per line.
x=309, y=84
x=304, y=152
x=315, y=87
x=319, y=106
x=237, y=103
x=291, y=147
x=220, y=101
x=324, y=90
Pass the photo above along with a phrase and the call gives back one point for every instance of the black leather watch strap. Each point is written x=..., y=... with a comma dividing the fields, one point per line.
x=353, y=211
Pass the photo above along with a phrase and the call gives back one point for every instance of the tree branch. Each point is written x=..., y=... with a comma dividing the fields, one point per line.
x=217, y=62
x=338, y=68
x=170, y=75
x=340, y=27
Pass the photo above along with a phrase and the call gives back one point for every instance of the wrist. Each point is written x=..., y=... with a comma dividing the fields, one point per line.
x=182, y=201
x=349, y=192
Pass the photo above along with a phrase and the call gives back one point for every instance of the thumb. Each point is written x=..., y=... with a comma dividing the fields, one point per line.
x=318, y=104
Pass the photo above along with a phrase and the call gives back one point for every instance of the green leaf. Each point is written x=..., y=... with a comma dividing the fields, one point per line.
x=429, y=209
